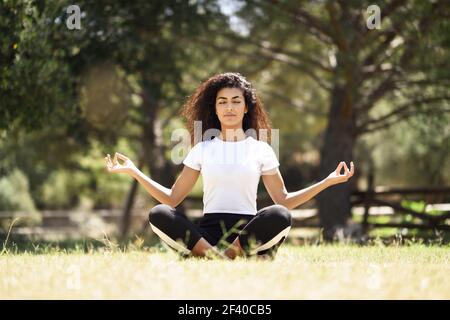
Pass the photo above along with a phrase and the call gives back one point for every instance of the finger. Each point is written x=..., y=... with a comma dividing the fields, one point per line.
x=121, y=156
x=116, y=168
x=111, y=162
x=339, y=167
x=115, y=159
x=346, y=171
x=108, y=164
x=352, y=168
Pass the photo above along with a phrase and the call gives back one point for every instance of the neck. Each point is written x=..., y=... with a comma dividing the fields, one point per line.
x=230, y=134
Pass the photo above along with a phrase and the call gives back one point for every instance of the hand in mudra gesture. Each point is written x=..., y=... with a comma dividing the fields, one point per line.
x=336, y=177
x=114, y=166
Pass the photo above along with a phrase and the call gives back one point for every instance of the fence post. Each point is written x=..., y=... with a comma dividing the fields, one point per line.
x=368, y=197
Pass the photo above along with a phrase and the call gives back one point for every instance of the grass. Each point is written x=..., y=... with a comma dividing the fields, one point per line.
x=414, y=271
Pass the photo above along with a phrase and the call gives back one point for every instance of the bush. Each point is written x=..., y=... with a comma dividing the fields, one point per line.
x=62, y=189
x=15, y=196
x=14, y=193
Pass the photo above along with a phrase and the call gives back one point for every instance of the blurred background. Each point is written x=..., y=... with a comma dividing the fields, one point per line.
x=76, y=85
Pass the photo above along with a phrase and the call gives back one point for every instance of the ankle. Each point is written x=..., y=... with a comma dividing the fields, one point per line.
x=231, y=253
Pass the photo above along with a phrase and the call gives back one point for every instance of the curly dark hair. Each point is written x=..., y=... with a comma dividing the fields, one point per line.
x=200, y=106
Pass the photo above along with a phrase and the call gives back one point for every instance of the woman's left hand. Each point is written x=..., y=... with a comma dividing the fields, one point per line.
x=336, y=177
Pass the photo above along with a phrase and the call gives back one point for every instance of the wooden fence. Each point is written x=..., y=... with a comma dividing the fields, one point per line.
x=371, y=203
x=391, y=199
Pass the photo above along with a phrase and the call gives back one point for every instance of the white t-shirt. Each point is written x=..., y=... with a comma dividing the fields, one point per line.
x=231, y=172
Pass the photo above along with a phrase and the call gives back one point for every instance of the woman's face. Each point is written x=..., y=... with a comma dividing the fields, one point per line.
x=230, y=108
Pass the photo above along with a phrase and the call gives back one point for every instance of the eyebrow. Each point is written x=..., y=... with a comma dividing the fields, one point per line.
x=226, y=98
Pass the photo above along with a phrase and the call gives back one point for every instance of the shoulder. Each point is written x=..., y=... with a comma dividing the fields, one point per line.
x=263, y=145
x=201, y=145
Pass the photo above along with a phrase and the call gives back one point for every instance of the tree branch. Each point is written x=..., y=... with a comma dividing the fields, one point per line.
x=383, y=88
x=310, y=23
x=386, y=11
x=381, y=48
x=424, y=82
x=314, y=23
x=401, y=113
x=339, y=39
x=276, y=50
x=391, y=123
x=280, y=58
x=292, y=104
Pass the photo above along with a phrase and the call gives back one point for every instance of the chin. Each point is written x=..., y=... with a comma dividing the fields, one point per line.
x=231, y=122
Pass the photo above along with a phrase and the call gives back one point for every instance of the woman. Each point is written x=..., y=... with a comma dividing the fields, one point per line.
x=231, y=161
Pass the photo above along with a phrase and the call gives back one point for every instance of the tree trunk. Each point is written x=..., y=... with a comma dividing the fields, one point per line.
x=153, y=155
x=126, y=215
x=160, y=168
x=334, y=202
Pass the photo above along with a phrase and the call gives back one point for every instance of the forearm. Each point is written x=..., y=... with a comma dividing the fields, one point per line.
x=157, y=191
x=294, y=199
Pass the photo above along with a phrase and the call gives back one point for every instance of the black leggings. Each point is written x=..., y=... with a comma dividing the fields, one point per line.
x=258, y=234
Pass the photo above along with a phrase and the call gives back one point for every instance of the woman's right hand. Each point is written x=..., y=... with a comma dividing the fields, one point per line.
x=114, y=165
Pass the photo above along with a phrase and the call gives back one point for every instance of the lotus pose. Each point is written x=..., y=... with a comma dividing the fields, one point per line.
x=231, y=157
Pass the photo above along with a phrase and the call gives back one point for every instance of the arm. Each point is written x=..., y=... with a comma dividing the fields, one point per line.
x=275, y=186
x=172, y=197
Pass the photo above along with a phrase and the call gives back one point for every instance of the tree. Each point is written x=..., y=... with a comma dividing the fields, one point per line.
x=122, y=50
x=405, y=64
x=33, y=88
x=149, y=42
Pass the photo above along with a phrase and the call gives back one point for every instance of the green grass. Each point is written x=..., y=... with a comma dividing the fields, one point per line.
x=413, y=271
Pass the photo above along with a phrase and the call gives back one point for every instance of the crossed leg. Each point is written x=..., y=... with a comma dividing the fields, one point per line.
x=262, y=235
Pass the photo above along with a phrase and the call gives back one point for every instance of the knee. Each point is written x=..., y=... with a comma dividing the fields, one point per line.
x=159, y=213
x=280, y=215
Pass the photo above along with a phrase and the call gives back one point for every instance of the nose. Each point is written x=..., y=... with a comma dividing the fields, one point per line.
x=230, y=106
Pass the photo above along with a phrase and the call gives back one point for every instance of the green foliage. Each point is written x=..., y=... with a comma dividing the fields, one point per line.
x=15, y=197
x=416, y=152
x=89, y=185
x=419, y=207
x=15, y=194
x=80, y=91
x=35, y=83
x=62, y=189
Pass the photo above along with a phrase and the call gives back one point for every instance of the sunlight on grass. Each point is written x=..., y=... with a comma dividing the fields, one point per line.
x=308, y=272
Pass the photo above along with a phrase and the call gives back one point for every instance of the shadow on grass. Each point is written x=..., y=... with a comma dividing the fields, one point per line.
x=22, y=245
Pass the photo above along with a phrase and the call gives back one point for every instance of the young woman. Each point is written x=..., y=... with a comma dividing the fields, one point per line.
x=231, y=159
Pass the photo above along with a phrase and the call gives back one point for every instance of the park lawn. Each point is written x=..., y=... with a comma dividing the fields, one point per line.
x=299, y=272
